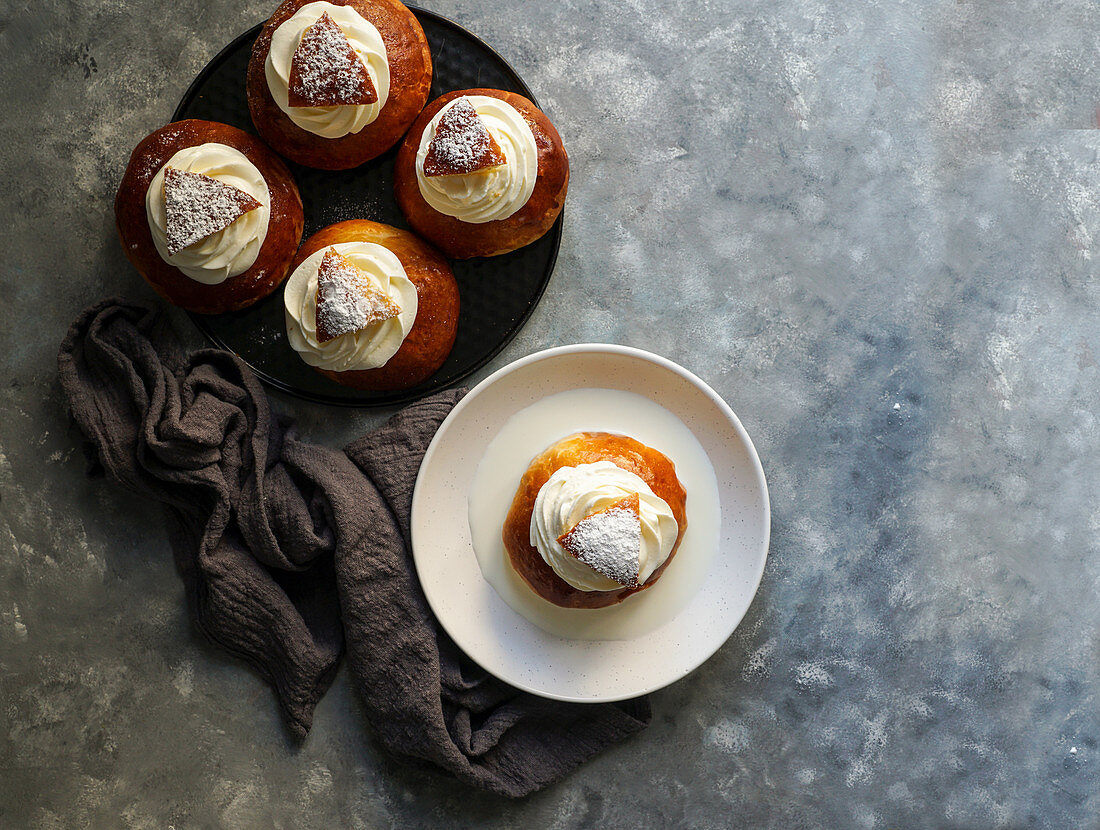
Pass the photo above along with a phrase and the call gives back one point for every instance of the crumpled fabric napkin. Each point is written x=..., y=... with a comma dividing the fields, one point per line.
x=291, y=552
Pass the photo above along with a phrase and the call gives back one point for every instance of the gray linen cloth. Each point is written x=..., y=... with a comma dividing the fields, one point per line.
x=290, y=551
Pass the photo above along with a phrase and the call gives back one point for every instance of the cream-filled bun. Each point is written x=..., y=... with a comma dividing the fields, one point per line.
x=481, y=172
x=335, y=84
x=595, y=518
x=208, y=215
x=371, y=306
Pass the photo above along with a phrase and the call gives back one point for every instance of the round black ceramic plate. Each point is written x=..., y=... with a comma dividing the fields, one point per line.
x=498, y=294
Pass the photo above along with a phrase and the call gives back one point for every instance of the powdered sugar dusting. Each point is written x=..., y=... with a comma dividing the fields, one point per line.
x=197, y=206
x=609, y=542
x=461, y=144
x=325, y=71
x=346, y=302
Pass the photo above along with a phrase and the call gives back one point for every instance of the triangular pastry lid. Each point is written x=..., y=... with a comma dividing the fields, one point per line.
x=462, y=143
x=346, y=301
x=325, y=70
x=609, y=541
x=197, y=206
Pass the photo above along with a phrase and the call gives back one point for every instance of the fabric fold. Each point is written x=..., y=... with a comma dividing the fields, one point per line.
x=192, y=433
x=290, y=552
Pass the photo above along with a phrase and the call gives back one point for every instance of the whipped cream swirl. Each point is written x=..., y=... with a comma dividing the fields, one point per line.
x=369, y=347
x=573, y=493
x=233, y=249
x=494, y=193
x=336, y=121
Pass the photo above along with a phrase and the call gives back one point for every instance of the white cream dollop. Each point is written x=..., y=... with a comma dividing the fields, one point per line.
x=572, y=494
x=369, y=347
x=233, y=249
x=336, y=121
x=494, y=193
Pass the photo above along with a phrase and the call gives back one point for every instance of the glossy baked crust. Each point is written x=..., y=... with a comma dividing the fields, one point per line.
x=432, y=335
x=410, y=79
x=651, y=466
x=461, y=240
x=284, y=230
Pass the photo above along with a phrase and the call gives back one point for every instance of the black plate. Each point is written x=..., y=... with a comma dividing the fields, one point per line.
x=498, y=294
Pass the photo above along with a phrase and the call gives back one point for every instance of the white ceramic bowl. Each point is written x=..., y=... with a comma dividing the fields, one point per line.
x=505, y=642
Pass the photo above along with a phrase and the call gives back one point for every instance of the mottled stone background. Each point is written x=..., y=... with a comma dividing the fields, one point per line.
x=873, y=227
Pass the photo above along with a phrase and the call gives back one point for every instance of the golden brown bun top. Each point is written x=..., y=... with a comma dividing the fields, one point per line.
x=650, y=465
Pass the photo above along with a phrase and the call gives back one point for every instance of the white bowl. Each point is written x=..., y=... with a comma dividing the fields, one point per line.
x=506, y=641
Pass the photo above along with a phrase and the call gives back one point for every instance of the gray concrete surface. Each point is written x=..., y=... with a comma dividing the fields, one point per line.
x=874, y=228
